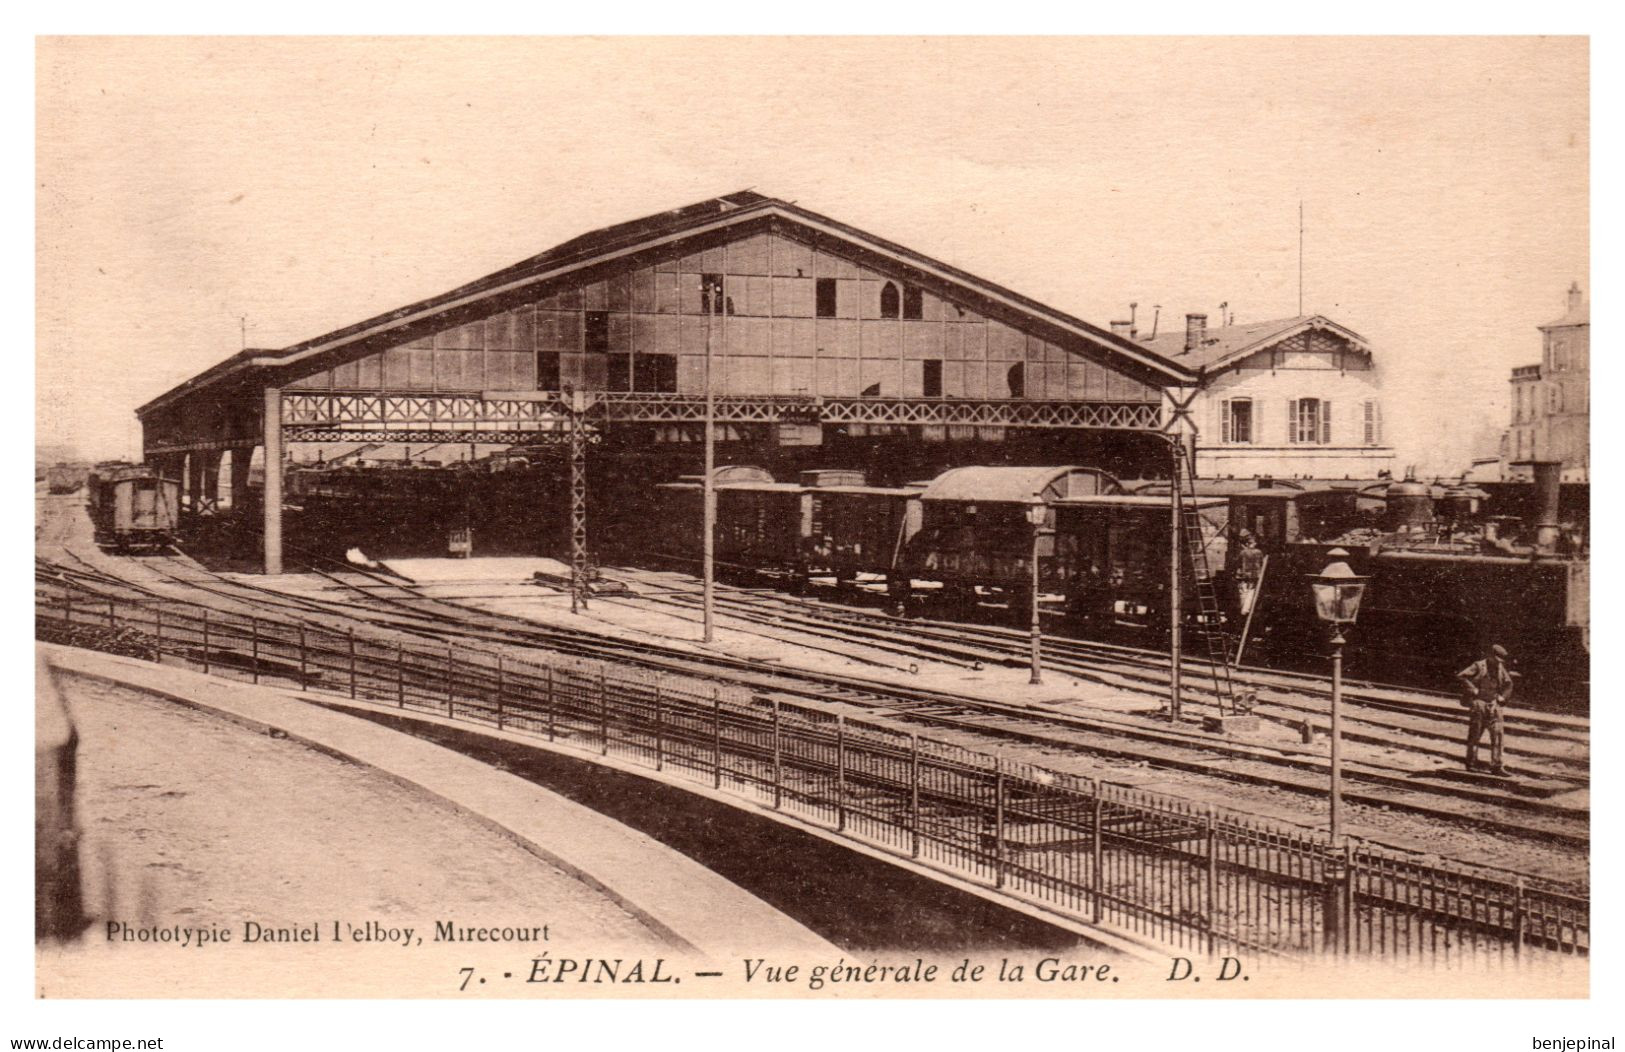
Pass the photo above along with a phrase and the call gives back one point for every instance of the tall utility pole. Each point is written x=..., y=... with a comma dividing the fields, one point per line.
x=707, y=486
x=1175, y=600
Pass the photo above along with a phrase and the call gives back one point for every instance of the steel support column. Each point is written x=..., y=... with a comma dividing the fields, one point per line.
x=271, y=423
x=241, y=459
x=191, y=483
x=211, y=480
x=578, y=501
x=708, y=482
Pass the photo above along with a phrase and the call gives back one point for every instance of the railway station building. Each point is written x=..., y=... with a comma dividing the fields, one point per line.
x=1295, y=397
x=829, y=347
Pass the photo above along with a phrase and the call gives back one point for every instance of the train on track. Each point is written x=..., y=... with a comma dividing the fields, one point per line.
x=132, y=506
x=1446, y=576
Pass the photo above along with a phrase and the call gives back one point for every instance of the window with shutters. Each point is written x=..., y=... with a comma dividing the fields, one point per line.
x=1236, y=420
x=1309, y=421
x=1373, y=424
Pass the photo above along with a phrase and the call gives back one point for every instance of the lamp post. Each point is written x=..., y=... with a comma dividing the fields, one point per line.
x=1037, y=513
x=1337, y=590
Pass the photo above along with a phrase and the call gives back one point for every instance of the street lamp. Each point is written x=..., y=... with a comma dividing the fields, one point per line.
x=1337, y=590
x=1037, y=515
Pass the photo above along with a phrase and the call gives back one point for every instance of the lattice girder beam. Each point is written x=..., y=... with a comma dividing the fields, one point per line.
x=459, y=415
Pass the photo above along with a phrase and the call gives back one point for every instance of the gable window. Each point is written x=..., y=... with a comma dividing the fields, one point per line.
x=711, y=295
x=1236, y=420
x=547, y=370
x=932, y=378
x=597, y=332
x=1309, y=421
x=913, y=303
x=826, y=298
x=1016, y=380
x=888, y=300
x=1373, y=424
x=655, y=372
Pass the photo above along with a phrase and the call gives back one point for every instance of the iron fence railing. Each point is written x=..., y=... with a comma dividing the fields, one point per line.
x=1184, y=875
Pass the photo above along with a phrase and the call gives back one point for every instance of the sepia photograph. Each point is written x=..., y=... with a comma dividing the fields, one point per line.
x=813, y=518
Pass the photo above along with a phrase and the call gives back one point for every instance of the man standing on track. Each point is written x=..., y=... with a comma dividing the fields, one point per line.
x=1486, y=684
x=1249, y=571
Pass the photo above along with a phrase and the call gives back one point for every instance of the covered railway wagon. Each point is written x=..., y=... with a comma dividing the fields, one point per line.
x=1113, y=550
x=975, y=531
x=857, y=529
x=761, y=524
x=132, y=506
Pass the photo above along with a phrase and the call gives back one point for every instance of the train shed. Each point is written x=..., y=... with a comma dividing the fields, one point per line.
x=791, y=331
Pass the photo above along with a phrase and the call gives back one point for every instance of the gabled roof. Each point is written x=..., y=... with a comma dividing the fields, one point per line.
x=1233, y=342
x=606, y=245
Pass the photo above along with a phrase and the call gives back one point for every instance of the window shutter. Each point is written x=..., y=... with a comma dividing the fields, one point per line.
x=1292, y=420
x=1225, y=434
x=1370, y=424
x=1325, y=423
x=1257, y=423
x=1378, y=407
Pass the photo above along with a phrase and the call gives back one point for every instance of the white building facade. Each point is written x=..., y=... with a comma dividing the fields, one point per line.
x=1298, y=397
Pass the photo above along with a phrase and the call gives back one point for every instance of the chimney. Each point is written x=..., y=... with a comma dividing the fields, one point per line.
x=1122, y=328
x=1195, y=330
x=1574, y=297
x=1548, y=481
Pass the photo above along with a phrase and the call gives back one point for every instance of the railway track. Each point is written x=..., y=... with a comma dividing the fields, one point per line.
x=390, y=604
x=1287, y=698
x=1104, y=734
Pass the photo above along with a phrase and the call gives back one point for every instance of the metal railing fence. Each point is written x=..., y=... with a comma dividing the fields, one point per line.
x=1184, y=875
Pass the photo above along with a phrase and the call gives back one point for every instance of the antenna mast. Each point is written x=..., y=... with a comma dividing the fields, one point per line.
x=1300, y=257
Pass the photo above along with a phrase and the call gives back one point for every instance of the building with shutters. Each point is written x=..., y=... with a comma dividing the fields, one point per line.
x=1551, y=399
x=1294, y=397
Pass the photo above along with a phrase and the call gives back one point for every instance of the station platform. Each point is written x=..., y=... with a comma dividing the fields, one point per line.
x=210, y=803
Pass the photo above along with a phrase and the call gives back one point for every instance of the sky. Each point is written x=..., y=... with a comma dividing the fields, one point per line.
x=185, y=185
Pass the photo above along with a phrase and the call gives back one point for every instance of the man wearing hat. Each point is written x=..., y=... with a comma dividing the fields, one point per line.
x=1487, y=683
x=1249, y=571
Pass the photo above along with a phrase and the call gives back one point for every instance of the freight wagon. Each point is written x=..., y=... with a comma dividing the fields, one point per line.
x=132, y=506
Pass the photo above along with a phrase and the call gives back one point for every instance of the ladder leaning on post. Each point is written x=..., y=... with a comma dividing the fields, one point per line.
x=1210, y=621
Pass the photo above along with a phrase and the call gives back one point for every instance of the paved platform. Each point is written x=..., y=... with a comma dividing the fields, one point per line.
x=634, y=890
